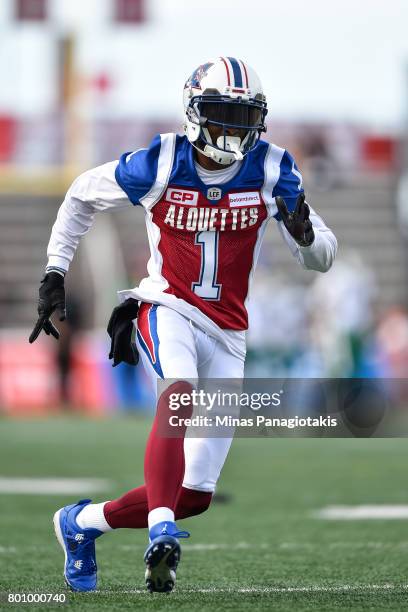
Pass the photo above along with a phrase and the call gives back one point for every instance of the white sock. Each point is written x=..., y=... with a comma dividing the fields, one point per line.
x=160, y=515
x=92, y=517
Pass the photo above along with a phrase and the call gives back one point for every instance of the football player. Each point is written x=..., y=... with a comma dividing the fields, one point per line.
x=207, y=198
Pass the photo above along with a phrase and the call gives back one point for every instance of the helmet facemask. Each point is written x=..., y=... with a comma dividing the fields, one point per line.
x=239, y=121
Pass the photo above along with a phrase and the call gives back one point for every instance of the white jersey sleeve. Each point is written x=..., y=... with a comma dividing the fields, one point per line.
x=321, y=253
x=137, y=178
x=94, y=190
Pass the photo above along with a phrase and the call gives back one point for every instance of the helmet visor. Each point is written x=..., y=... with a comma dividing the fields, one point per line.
x=239, y=114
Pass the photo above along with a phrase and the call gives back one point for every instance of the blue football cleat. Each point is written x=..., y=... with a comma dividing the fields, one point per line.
x=78, y=546
x=162, y=557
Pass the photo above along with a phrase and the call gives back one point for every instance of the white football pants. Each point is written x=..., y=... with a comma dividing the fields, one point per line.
x=172, y=346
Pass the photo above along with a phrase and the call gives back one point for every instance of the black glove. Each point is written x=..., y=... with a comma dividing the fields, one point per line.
x=297, y=223
x=51, y=298
x=120, y=328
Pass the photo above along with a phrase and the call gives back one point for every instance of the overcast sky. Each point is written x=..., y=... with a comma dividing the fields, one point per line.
x=318, y=59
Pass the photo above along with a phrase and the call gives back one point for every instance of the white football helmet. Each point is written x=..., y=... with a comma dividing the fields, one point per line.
x=227, y=93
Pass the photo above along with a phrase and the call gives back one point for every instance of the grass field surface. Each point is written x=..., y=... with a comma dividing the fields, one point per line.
x=260, y=547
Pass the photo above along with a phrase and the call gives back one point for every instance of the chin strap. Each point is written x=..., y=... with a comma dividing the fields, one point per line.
x=228, y=159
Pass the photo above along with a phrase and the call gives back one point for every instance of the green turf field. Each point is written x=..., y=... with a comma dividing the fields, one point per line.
x=261, y=549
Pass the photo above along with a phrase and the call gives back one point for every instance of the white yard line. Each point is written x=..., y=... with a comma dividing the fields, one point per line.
x=52, y=486
x=363, y=512
x=276, y=546
x=204, y=547
x=313, y=588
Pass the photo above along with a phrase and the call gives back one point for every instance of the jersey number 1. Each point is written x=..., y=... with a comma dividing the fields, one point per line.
x=207, y=287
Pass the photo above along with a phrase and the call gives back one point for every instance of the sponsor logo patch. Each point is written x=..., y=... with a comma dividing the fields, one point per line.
x=182, y=196
x=214, y=193
x=247, y=198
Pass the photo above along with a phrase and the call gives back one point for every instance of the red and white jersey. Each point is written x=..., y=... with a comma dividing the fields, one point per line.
x=204, y=239
x=207, y=251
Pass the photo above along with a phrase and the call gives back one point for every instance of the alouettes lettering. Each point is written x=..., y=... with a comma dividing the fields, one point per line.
x=203, y=219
